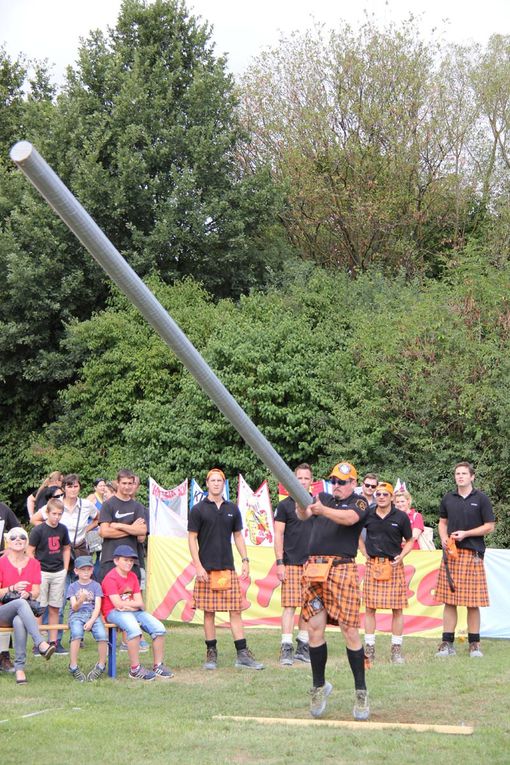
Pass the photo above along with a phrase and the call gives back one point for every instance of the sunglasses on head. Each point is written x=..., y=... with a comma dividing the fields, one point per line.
x=12, y=537
x=382, y=494
x=58, y=496
x=370, y=485
x=338, y=481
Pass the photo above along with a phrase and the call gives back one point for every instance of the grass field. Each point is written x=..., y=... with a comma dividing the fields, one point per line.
x=56, y=721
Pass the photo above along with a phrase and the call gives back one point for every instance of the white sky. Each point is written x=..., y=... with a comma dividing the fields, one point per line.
x=50, y=29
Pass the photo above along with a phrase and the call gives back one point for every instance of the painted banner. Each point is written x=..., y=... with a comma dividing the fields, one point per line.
x=315, y=488
x=168, y=510
x=171, y=575
x=257, y=514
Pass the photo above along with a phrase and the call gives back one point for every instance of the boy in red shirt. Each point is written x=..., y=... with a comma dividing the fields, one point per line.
x=123, y=606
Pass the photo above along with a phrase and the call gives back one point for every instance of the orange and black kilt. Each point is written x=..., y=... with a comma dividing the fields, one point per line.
x=339, y=595
x=217, y=600
x=391, y=593
x=292, y=587
x=468, y=574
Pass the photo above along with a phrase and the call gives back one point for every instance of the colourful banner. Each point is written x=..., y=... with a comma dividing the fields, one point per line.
x=257, y=514
x=171, y=575
x=168, y=510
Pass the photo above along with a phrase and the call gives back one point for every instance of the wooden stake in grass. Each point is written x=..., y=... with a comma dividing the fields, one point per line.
x=452, y=730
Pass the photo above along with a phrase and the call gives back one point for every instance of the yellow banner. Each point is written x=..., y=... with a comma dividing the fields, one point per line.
x=170, y=578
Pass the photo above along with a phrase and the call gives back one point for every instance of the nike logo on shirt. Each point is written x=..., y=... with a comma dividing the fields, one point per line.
x=123, y=515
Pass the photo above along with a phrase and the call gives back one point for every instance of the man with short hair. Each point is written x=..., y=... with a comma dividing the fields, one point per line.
x=384, y=584
x=211, y=524
x=122, y=520
x=336, y=528
x=367, y=489
x=465, y=518
x=291, y=538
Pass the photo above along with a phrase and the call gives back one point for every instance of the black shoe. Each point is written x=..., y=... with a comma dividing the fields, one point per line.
x=286, y=655
x=302, y=652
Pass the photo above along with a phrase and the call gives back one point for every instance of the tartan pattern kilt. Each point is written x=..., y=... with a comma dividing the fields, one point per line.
x=468, y=574
x=292, y=587
x=391, y=593
x=217, y=600
x=339, y=595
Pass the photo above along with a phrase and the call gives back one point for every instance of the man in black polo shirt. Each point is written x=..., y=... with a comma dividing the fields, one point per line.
x=465, y=517
x=384, y=584
x=336, y=528
x=291, y=537
x=211, y=524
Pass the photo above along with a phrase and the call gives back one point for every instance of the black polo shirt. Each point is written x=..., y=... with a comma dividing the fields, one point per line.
x=214, y=527
x=465, y=513
x=384, y=535
x=330, y=538
x=296, y=535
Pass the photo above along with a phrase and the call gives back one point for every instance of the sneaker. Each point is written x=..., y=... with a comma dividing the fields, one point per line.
x=302, y=652
x=396, y=654
x=445, y=649
x=246, y=659
x=361, y=709
x=142, y=674
x=211, y=659
x=369, y=655
x=143, y=647
x=36, y=652
x=59, y=648
x=95, y=673
x=474, y=651
x=78, y=674
x=286, y=654
x=319, y=699
x=123, y=647
x=162, y=672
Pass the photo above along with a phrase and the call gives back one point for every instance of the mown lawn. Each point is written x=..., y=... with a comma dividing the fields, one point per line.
x=57, y=721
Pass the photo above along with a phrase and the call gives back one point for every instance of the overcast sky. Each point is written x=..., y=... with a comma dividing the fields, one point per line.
x=50, y=29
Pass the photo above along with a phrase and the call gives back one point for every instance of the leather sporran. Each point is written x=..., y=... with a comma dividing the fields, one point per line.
x=318, y=572
x=381, y=569
x=220, y=580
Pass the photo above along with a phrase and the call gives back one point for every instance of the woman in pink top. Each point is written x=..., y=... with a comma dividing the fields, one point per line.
x=403, y=501
x=21, y=574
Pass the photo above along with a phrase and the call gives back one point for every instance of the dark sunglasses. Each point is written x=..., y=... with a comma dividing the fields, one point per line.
x=382, y=494
x=12, y=537
x=370, y=485
x=58, y=496
x=338, y=481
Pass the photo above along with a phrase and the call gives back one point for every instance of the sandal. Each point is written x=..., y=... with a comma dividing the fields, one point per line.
x=48, y=653
x=21, y=681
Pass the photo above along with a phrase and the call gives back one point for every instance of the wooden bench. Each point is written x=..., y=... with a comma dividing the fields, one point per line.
x=112, y=641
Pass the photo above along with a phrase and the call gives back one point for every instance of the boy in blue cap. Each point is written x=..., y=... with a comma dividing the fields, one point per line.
x=85, y=596
x=123, y=605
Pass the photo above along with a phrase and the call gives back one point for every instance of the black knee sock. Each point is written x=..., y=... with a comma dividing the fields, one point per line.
x=240, y=644
x=318, y=659
x=357, y=664
x=473, y=637
x=211, y=643
x=448, y=637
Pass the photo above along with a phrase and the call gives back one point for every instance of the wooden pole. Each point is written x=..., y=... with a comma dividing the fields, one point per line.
x=454, y=730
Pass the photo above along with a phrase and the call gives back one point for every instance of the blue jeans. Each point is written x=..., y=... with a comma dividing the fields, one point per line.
x=77, y=620
x=131, y=621
x=18, y=614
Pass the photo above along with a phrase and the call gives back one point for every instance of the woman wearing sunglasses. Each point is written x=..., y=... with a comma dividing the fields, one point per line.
x=21, y=574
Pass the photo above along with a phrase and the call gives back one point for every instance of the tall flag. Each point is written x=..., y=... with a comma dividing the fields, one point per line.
x=168, y=510
x=257, y=514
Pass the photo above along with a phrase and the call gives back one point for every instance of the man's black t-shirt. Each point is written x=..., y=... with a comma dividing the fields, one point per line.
x=49, y=543
x=330, y=538
x=296, y=536
x=116, y=510
x=384, y=535
x=465, y=513
x=214, y=528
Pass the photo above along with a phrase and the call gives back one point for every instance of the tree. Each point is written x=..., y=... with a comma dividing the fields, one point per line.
x=366, y=132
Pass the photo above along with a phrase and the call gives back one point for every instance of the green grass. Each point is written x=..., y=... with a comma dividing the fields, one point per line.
x=122, y=721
